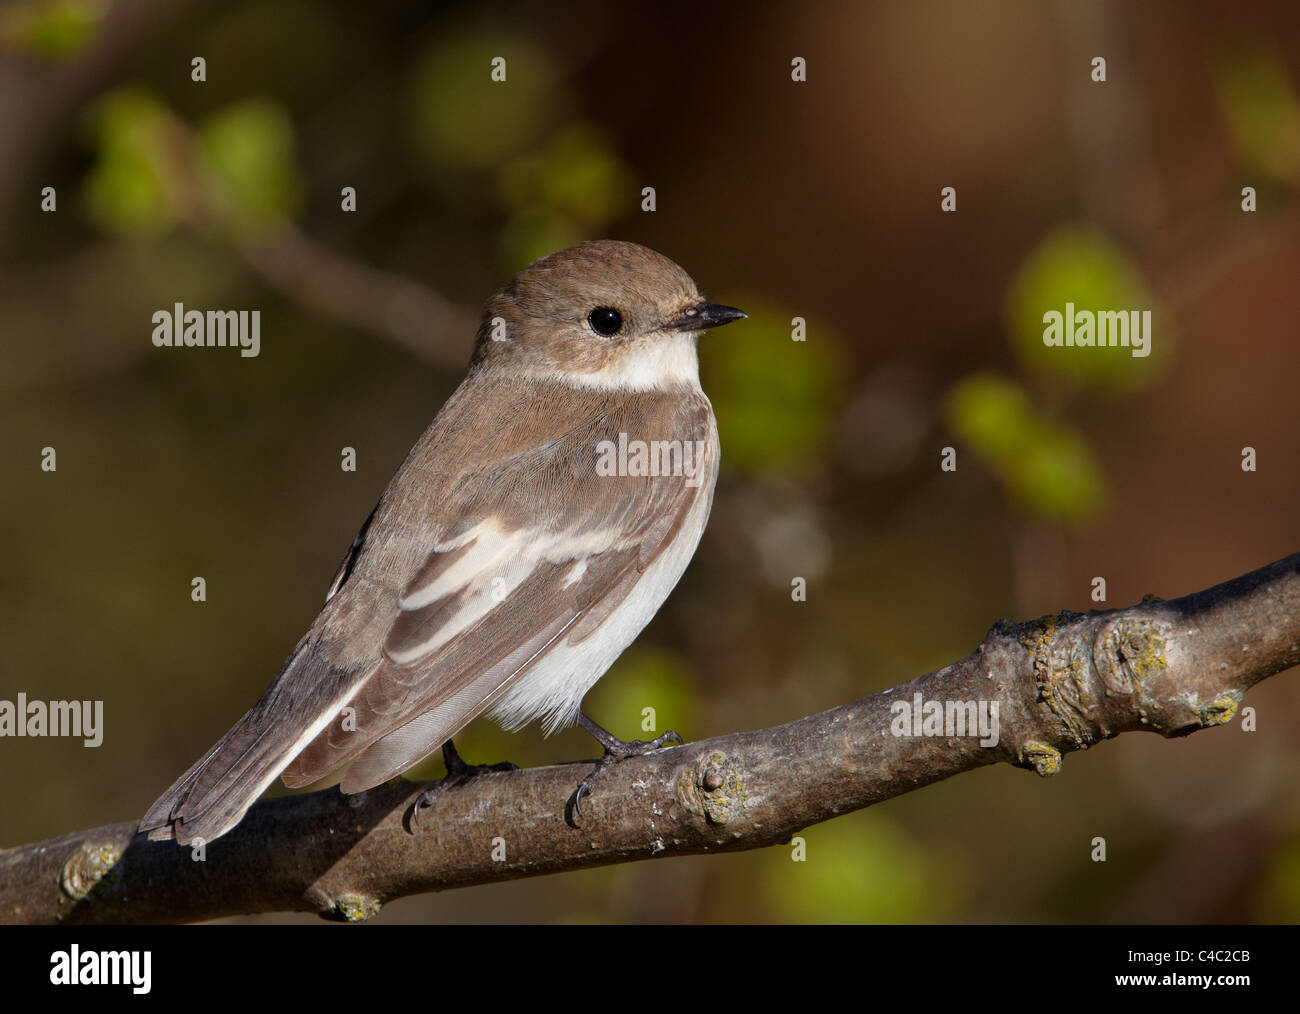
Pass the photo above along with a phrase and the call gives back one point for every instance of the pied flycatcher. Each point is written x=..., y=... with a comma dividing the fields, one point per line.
x=529, y=536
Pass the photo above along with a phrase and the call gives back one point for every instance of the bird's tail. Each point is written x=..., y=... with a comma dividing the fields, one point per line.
x=215, y=793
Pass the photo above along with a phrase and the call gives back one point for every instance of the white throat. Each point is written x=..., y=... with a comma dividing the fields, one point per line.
x=660, y=365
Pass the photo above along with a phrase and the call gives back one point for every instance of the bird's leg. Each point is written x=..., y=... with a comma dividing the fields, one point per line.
x=458, y=773
x=615, y=750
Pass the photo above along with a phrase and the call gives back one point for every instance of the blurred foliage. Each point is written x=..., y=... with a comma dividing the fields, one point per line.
x=241, y=174
x=1277, y=896
x=562, y=193
x=1262, y=111
x=1047, y=467
x=148, y=177
x=1083, y=266
x=532, y=232
x=248, y=150
x=861, y=868
x=55, y=30
x=464, y=119
x=776, y=399
x=645, y=678
x=132, y=189
x=577, y=173
x=557, y=187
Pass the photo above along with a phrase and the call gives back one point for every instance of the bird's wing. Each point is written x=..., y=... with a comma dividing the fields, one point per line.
x=505, y=590
x=464, y=577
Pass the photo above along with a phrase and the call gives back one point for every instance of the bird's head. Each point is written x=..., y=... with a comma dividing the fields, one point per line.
x=600, y=314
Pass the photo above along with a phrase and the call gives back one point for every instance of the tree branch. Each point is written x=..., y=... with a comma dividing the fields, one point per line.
x=1061, y=683
x=401, y=309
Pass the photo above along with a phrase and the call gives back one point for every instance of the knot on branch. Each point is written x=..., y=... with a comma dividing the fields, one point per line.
x=1102, y=673
x=714, y=787
x=1128, y=652
x=1131, y=657
x=352, y=908
x=1095, y=672
x=1042, y=757
x=87, y=867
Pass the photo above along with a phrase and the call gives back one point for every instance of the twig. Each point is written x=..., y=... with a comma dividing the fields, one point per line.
x=407, y=311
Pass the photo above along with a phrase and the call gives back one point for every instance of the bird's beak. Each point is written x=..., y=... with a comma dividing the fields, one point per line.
x=705, y=315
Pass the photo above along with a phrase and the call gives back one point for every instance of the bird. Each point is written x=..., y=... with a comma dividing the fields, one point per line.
x=531, y=533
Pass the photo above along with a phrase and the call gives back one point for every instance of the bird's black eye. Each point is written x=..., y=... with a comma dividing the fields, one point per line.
x=605, y=321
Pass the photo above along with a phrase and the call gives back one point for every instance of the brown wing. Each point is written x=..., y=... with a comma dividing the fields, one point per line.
x=536, y=551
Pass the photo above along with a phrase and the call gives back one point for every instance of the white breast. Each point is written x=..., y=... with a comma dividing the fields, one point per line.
x=554, y=687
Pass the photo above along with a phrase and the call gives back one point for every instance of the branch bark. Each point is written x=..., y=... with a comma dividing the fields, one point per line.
x=1062, y=683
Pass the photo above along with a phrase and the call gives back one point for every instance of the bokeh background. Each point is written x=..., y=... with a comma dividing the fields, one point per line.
x=818, y=199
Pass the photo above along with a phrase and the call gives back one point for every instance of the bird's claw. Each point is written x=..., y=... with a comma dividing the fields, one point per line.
x=458, y=773
x=619, y=750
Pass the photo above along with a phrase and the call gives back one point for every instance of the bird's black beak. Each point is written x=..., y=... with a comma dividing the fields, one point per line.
x=705, y=315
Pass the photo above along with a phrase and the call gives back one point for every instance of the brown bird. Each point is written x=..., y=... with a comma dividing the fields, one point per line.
x=529, y=536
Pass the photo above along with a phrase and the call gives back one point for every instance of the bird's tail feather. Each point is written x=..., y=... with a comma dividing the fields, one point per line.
x=215, y=793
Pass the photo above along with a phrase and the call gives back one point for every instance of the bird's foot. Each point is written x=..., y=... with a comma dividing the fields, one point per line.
x=616, y=750
x=458, y=773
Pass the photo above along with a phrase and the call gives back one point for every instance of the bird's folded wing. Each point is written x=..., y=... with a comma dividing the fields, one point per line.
x=536, y=551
